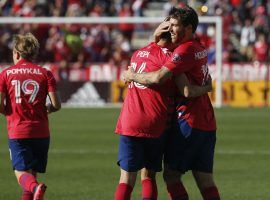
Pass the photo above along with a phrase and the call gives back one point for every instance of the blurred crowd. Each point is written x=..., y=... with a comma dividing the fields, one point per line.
x=72, y=43
x=245, y=29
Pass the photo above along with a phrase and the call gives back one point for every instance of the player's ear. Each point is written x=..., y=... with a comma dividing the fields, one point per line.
x=189, y=28
x=18, y=56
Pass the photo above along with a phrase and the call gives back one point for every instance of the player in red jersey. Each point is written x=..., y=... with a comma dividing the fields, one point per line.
x=23, y=89
x=144, y=117
x=193, y=149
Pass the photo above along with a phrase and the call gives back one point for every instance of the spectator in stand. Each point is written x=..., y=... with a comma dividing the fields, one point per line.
x=172, y=3
x=126, y=29
x=261, y=20
x=261, y=49
x=4, y=50
x=138, y=6
x=97, y=43
x=248, y=37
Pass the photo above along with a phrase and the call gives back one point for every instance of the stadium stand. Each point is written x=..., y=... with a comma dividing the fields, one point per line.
x=246, y=24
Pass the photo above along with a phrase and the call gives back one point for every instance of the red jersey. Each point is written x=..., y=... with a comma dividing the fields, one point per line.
x=191, y=58
x=26, y=86
x=147, y=109
x=261, y=51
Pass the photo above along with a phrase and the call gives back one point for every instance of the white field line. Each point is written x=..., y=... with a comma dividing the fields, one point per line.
x=242, y=152
x=102, y=106
x=97, y=151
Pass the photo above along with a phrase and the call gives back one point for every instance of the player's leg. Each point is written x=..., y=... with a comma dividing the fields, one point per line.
x=28, y=183
x=207, y=186
x=203, y=166
x=26, y=195
x=149, y=185
x=153, y=155
x=125, y=186
x=173, y=165
x=175, y=187
x=32, y=190
x=39, y=190
x=22, y=160
x=26, y=162
x=130, y=160
x=40, y=149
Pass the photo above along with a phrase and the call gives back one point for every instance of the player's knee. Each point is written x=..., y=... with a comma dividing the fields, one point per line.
x=204, y=180
x=147, y=174
x=206, y=184
x=128, y=177
x=171, y=176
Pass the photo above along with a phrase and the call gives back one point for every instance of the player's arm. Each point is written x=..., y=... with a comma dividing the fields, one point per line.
x=188, y=90
x=2, y=102
x=55, y=103
x=149, y=78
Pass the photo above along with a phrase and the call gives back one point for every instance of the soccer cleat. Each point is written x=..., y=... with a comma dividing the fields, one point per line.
x=40, y=192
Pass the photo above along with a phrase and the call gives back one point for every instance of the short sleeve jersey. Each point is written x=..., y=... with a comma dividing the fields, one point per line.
x=191, y=58
x=26, y=86
x=147, y=110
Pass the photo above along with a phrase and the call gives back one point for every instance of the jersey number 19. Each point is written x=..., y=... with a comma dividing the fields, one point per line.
x=24, y=87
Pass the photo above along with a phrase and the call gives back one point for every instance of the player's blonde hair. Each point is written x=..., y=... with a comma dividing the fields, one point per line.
x=27, y=45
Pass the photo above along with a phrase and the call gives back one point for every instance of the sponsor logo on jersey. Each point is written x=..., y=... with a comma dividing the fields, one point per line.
x=200, y=54
x=176, y=57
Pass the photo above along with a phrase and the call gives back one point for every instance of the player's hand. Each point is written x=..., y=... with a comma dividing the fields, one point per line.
x=128, y=74
x=48, y=106
x=162, y=28
x=186, y=91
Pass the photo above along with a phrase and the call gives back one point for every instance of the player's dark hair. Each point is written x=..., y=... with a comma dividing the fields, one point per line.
x=27, y=45
x=166, y=36
x=186, y=15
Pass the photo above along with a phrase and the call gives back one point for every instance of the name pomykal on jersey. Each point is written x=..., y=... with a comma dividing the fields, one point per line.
x=24, y=71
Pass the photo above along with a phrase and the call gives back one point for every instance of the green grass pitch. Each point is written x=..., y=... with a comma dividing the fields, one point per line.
x=83, y=153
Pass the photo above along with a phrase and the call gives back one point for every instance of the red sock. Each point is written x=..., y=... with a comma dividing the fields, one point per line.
x=210, y=193
x=123, y=192
x=149, y=189
x=27, y=195
x=28, y=182
x=177, y=191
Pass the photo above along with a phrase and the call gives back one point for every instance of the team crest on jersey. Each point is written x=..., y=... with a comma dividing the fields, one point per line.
x=176, y=57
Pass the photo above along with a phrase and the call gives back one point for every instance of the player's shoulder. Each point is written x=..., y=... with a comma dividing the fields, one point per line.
x=4, y=71
x=43, y=69
x=187, y=47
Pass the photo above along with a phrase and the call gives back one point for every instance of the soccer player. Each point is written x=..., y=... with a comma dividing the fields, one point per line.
x=23, y=91
x=143, y=119
x=193, y=149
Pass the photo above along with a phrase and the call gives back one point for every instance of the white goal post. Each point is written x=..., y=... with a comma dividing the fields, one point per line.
x=139, y=20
